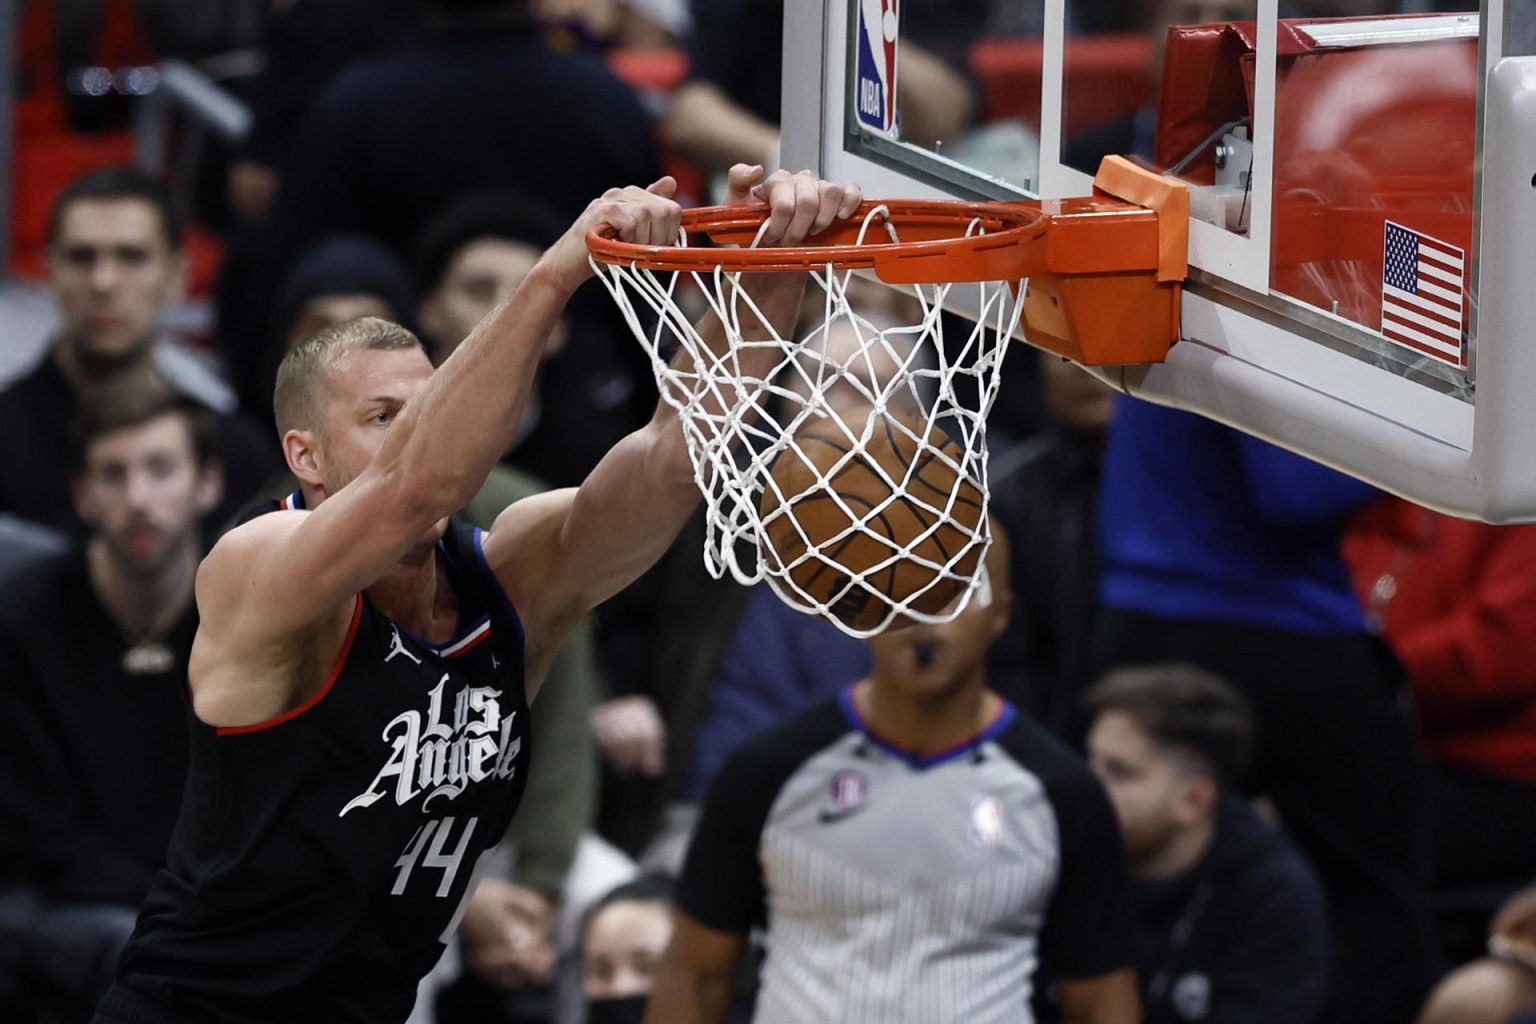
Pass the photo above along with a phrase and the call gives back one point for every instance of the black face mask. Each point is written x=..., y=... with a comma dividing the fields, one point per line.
x=624, y=1010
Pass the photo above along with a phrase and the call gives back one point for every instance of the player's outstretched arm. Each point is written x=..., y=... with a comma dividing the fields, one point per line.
x=269, y=583
x=563, y=553
x=697, y=975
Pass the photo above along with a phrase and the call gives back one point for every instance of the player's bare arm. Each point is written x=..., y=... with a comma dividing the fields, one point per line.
x=276, y=594
x=697, y=974
x=561, y=554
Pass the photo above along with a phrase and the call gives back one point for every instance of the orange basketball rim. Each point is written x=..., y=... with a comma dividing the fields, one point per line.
x=1105, y=271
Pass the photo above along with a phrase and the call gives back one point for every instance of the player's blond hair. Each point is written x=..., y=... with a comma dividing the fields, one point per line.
x=306, y=364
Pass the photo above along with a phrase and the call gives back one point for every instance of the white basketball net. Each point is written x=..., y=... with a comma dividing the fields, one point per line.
x=871, y=380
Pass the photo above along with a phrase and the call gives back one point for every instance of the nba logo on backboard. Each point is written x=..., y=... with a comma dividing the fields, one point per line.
x=874, y=97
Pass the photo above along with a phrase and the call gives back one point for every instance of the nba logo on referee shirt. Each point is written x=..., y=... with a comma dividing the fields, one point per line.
x=986, y=822
x=874, y=84
x=1422, y=296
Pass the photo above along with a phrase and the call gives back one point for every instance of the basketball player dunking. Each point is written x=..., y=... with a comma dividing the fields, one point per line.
x=362, y=674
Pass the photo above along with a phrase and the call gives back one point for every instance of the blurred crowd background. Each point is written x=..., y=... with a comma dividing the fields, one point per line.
x=197, y=185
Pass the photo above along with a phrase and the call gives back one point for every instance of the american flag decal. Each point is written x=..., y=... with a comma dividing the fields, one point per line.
x=1423, y=300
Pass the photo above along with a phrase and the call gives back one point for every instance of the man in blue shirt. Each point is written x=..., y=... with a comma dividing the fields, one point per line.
x=1230, y=921
x=1222, y=550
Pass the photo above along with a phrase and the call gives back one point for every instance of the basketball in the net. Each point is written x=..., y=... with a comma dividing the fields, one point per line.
x=914, y=518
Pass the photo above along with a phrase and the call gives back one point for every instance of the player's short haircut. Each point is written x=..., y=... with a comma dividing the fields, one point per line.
x=132, y=402
x=302, y=368
x=504, y=215
x=1183, y=708
x=118, y=184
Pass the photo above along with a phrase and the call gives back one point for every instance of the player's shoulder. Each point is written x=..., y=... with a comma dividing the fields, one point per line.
x=255, y=537
x=264, y=521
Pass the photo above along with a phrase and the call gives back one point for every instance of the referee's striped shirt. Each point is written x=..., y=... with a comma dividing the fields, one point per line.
x=899, y=888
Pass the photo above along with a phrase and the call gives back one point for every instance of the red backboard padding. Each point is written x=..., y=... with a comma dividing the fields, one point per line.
x=1363, y=134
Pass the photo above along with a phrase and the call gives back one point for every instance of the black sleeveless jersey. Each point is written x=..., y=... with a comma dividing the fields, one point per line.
x=322, y=858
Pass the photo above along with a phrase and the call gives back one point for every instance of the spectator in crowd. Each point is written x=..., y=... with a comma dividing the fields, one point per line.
x=474, y=254
x=93, y=730
x=1045, y=491
x=481, y=101
x=22, y=541
x=858, y=831
x=1501, y=987
x=646, y=728
x=1456, y=600
x=187, y=29
x=592, y=385
x=633, y=24
x=728, y=109
x=622, y=940
x=115, y=263
x=772, y=662
x=477, y=100
x=1232, y=925
x=341, y=278
x=306, y=42
x=1223, y=551
x=509, y=940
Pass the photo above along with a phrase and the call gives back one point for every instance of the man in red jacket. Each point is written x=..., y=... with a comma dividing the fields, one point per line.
x=1457, y=601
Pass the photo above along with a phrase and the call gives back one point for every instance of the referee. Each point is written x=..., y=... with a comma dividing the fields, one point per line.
x=916, y=850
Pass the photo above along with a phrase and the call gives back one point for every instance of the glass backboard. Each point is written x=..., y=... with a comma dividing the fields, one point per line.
x=1361, y=183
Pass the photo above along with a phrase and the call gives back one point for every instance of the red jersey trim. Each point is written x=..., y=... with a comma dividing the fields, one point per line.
x=474, y=638
x=341, y=660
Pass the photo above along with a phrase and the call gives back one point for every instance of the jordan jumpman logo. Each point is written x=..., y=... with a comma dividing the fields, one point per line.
x=397, y=646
